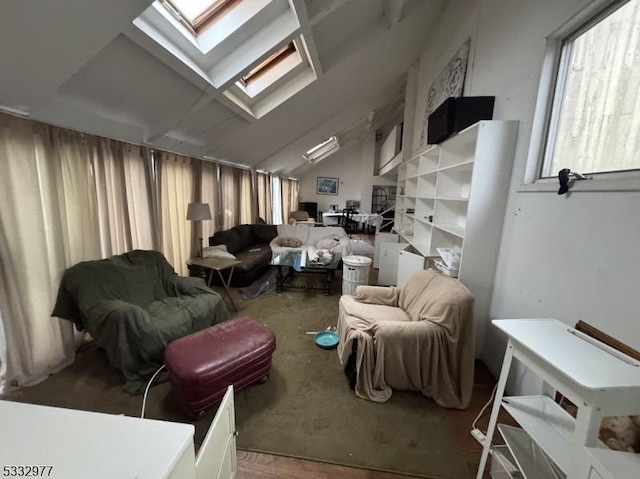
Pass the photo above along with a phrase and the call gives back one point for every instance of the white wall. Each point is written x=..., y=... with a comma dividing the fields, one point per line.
x=569, y=257
x=354, y=166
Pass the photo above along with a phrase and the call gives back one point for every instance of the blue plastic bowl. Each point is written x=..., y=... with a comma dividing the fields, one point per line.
x=326, y=339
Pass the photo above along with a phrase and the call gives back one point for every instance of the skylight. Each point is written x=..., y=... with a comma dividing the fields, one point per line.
x=238, y=46
x=322, y=150
x=277, y=57
x=198, y=14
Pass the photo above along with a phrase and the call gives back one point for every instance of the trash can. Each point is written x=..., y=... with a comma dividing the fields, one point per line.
x=355, y=271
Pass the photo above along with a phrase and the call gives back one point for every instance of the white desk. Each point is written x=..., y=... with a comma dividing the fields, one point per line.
x=332, y=218
x=591, y=376
x=80, y=444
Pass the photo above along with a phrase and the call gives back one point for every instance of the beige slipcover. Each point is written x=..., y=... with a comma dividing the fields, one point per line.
x=300, y=217
x=418, y=337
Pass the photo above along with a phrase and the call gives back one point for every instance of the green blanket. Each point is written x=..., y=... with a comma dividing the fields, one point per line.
x=133, y=305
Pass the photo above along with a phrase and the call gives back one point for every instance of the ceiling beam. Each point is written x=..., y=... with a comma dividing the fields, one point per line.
x=209, y=93
x=300, y=9
x=393, y=11
x=326, y=10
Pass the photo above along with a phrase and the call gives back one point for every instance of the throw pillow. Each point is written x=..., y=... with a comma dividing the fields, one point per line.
x=288, y=242
x=264, y=233
x=328, y=242
x=219, y=251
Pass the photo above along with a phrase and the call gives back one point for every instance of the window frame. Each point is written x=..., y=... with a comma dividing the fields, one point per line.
x=550, y=97
x=205, y=19
x=267, y=64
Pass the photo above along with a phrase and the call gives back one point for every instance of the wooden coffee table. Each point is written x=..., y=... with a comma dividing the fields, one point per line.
x=219, y=265
x=288, y=264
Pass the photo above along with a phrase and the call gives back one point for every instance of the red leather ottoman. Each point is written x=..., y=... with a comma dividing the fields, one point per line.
x=202, y=365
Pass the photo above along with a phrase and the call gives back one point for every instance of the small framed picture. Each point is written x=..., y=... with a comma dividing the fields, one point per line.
x=327, y=186
x=392, y=191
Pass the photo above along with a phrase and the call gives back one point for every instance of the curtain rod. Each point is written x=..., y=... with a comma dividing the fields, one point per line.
x=4, y=111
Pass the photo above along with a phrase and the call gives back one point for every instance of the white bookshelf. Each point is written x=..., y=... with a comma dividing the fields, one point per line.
x=453, y=195
x=596, y=378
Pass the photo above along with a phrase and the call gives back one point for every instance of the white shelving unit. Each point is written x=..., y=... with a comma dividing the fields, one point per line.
x=599, y=380
x=453, y=195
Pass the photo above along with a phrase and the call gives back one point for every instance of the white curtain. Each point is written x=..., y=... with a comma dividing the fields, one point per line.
x=176, y=192
x=124, y=197
x=263, y=183
x=246, y=197
x=209, y=194
x=293, y=195
x=48, y=221
x=229, y=194
x=289, y=197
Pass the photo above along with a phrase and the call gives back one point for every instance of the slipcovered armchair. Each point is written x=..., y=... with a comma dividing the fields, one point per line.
x=417, y=337
x=133, y=305
x=300, y=217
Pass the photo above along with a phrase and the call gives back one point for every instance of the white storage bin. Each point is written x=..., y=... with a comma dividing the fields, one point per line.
x=503, y=466
x=355, y=271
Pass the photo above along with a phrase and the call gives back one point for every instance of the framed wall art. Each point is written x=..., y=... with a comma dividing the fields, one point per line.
x=449, y=83
x=327, y=186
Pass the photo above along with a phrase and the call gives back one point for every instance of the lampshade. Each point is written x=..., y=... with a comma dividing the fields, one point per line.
x=198, y=212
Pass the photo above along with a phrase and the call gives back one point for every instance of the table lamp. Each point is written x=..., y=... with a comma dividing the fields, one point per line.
x=198, y=212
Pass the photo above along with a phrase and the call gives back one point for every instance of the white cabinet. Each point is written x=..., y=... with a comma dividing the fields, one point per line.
x=409, y=262
x=217, y=455
x=453, y=195
x=596, y=378
x=389, y=255
x=382, y=238
x=81, y=444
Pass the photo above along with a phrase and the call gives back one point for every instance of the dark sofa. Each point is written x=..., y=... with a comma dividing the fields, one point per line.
x=249, y=244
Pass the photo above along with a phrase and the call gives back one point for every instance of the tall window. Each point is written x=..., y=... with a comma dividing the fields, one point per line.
x=276, y=200
x=594, y=125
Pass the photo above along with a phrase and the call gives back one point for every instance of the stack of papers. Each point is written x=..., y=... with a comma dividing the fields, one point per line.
x=444, y=269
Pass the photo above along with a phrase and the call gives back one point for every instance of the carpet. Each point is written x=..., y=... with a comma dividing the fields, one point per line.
x=307, y=410
x=304, y=410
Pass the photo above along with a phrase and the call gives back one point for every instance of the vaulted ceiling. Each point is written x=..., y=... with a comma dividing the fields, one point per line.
x=87, y=66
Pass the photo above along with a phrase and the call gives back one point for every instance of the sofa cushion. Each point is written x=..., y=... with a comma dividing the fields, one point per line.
x=264, y=233
x=245, y=237
x=295, y=231
x=316, y=234
x=329, y=242
x=218, y=251
x=371, y=313
x=288, y=242
x=227, y=237
x=253, y=258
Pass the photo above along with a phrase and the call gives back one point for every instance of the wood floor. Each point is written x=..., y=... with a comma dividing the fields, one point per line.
x=252, y=465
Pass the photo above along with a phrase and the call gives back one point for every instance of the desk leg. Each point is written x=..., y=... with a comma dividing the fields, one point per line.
x=497, y=403
x=328, y=279
x=279, y=280
x=226, y=287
